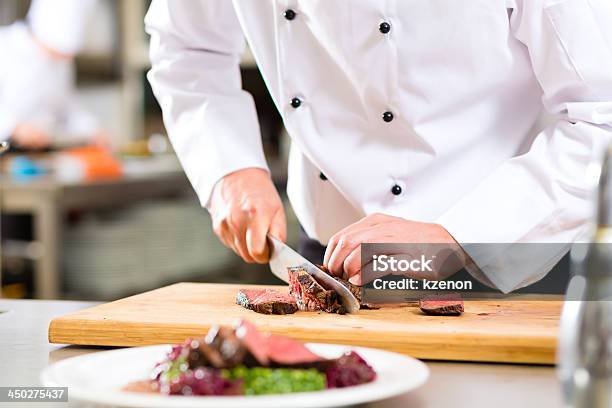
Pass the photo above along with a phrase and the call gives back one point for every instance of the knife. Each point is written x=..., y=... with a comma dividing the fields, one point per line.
x=283, y=257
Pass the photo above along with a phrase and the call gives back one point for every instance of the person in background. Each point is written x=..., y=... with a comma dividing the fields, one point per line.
x=410, y=121
x=37, y=103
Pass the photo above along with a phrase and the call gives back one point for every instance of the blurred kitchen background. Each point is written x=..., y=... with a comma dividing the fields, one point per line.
x=79, y=222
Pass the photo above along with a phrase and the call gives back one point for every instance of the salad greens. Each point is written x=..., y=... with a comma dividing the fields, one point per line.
x=262, y=380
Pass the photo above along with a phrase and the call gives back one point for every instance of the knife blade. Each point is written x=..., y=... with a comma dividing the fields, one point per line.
x=283, y=256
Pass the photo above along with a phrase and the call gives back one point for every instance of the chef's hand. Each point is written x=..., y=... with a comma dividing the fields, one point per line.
x=29, y=136
x=343, y=253
x=245, y=207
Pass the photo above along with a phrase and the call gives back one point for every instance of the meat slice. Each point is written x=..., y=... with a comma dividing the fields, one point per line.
x=354, y=289
x=284, y=351
x=229, y=347
x=254, y=341
x=357, y=291
x=310, y=295
x=266, y=301
x=203, y=354
x=442, y=305
x=273, y=350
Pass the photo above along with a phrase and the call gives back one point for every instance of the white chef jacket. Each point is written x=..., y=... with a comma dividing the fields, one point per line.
x=34, y=86
x=460, y=83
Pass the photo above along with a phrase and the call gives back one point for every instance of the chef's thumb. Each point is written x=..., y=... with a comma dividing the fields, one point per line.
x=256, y=234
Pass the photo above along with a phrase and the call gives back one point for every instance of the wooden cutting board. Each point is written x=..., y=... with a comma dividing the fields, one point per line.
x=518, y=331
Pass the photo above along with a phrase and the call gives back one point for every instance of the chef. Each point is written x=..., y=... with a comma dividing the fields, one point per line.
x=36, y=75
x=410, y=121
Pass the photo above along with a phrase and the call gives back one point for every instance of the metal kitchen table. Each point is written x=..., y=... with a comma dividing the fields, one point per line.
x=24, y=352
x=47, y=199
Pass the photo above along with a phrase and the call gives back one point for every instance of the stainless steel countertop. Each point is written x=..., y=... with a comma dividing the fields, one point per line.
x=25, y=351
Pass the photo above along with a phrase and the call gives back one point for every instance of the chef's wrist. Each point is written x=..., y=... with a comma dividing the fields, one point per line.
x=463, y=256
x=469, y=264
x=244, y=173
x=239, y=173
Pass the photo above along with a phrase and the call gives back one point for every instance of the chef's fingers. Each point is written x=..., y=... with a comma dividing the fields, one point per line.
x=278, y=226
x=222, y=231
x=260, y=224
x=332, y=243
x=256, y=243
x=229, y=242
x=343, y=248
x=241, y=250
x=352, y=266
x=241, y=246
x=257, y=228
x=238, y=226
x=364, y=223
x=329, y=250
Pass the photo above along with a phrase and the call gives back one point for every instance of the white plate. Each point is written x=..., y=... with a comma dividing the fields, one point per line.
x=97, y=378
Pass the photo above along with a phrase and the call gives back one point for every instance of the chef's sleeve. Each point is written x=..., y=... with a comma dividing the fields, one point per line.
x=545, y=194
x=195, y=75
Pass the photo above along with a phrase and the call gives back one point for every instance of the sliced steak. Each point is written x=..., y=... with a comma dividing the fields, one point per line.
x=357, y=291
x=266, y=301
x=202, y=354
x=229, y=346
x=354, y=289
x=310, y=295
x=284, y=351
x=254, y=341
x=277, y=351
x=442, y=305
